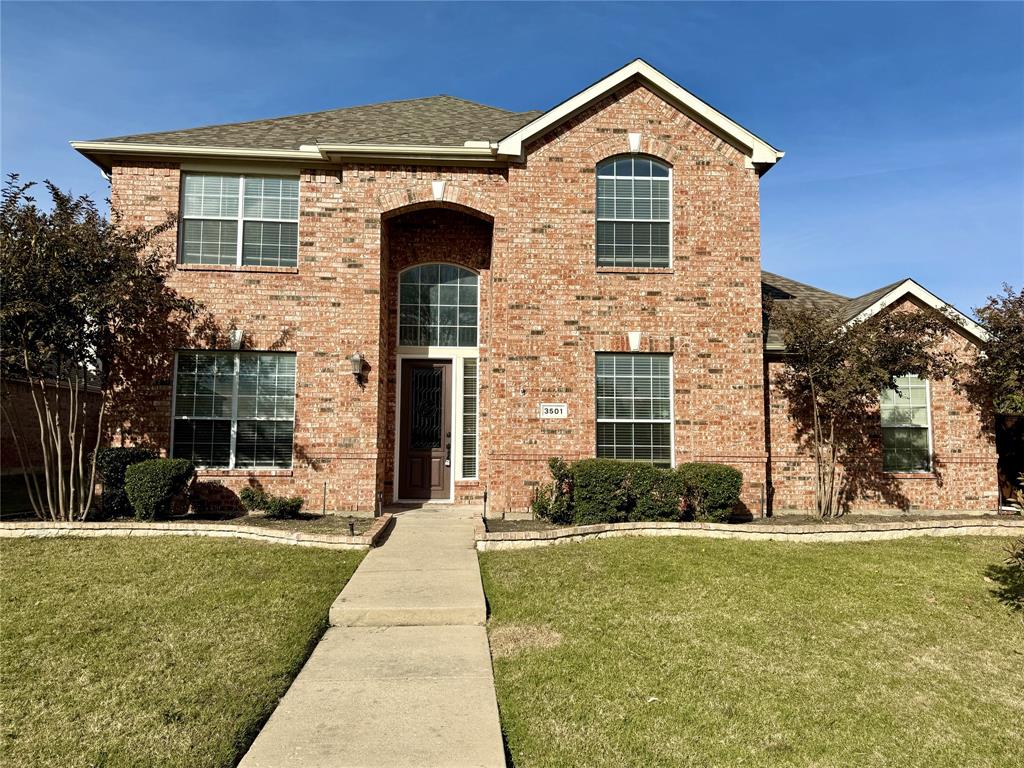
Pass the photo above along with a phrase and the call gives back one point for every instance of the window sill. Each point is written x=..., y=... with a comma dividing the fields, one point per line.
x=635, y=270
x=924, y=474
x=256, y=472
x=235, y=268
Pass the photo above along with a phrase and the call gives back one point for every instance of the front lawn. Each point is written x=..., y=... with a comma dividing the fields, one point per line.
x=682, y=652
x=157, y=652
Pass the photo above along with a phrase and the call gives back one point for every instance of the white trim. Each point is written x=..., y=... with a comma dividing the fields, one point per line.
x=236, y=375
x=758, y=150
x=931, y=441
x=339, y=151
x=171, y=150
x=239, y=218
x=910, y=288
x=671, y=421
x=399, y=358
x=428, y=350
x=671, y=209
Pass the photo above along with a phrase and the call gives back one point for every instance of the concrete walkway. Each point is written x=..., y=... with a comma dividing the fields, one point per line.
x=403, y=675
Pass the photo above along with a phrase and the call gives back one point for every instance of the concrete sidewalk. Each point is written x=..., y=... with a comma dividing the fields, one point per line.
x=403, y=675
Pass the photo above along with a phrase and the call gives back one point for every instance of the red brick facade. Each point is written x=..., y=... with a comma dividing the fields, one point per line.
x=963, y=476
x=545, y=310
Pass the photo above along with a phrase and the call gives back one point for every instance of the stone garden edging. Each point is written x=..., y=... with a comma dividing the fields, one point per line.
x=874, y=531
x=372, y=537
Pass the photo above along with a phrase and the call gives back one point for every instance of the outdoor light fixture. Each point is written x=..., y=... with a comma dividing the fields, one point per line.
x=358, y=361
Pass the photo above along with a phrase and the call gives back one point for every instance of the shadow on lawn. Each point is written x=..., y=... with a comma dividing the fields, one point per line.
x=1009, y=578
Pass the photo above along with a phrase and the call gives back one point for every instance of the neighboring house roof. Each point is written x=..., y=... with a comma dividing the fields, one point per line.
x=777, y=288
x=433, y=128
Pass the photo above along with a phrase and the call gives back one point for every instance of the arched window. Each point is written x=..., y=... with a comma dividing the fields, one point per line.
x=633, y=210
x=438, y=306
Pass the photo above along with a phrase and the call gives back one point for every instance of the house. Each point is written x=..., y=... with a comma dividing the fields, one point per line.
x=426, y=299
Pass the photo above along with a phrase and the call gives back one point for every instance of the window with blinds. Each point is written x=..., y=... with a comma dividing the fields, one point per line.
x=234, y=409
x=906, y=423
x=633, y=213
x=470, y=403
x=634, y=408
x=239, y=220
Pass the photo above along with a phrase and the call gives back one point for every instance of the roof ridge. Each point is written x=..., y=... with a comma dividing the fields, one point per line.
x=765, y=272
x=314, y=112
x=488, y=106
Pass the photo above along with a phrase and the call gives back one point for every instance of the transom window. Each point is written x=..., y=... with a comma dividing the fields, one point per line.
x=634, y=408
x=265, y=209
x=438, y=306
x=234, y=409
x=633, y=213
x=906, y=423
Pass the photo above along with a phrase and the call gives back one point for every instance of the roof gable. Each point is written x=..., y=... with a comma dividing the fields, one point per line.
x=778, y=288
x=433, y=128
x=760, y=153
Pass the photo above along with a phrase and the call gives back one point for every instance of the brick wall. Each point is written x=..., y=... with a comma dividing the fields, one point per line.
x=964, y=476
x=546, y=309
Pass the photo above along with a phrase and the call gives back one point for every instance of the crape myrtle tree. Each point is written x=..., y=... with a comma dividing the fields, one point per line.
x=86, y=312
x=833, y=375
x=993, y=380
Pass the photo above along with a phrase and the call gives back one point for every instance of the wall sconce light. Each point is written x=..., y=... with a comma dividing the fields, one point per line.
x=235, y=337
x=358, y=361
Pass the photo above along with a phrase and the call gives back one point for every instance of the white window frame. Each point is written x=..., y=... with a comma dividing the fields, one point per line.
x=239, y=219
x=931, y=448
x=236, y=354
x=671, y=406
x=671, y=211
x=454, y=355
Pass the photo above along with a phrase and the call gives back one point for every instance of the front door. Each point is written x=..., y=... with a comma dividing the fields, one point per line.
x=425, y=443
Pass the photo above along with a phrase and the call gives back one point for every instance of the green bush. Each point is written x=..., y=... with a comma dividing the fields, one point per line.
x=560, y=507
x=607, y=491
x=601, y=491
x=151, y=486
x=111, y=464
x=283, y=506
x=540, y=502
x=710, y=491
x=258, y=500
x=656, y=494
x=253, y=499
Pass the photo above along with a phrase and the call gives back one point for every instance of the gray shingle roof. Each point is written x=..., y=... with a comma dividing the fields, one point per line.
x=782, y=289
x=444, y=121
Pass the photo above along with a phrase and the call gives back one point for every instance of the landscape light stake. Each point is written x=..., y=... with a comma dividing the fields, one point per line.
x=324, y=509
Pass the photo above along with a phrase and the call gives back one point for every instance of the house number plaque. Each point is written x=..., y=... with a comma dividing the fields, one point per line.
x=554, y=410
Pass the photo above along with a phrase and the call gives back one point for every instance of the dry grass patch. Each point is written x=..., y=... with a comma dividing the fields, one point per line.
x=510, y=639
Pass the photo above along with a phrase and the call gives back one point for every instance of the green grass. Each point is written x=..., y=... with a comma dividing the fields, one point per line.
x=681, y=652
x=158, y=652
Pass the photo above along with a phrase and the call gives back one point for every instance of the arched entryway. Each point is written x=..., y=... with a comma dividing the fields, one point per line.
x=434, y=307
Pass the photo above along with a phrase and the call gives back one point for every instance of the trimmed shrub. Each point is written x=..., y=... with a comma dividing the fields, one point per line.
x=253, y=499
x=151, y=486
x=111, y=464
x=601, y=491
x=540, y=502
x=560, y=506
x=258, y=500
x=710, y=491
x=283, y=506
x=656, y=494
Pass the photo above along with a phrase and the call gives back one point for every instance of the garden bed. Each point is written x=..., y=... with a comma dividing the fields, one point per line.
x=521, y=534
x=695, y=653
x=302, y=532
x=157, y=652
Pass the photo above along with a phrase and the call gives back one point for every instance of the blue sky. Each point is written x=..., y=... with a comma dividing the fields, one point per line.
x=903, y=124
